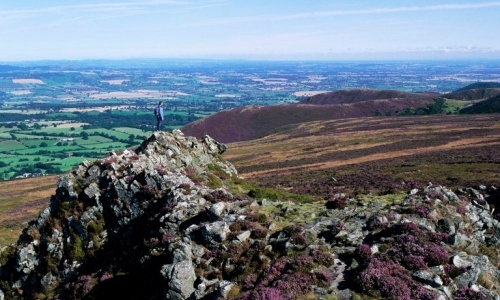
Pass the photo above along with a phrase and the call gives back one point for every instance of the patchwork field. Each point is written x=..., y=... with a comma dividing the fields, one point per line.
x=54, y=149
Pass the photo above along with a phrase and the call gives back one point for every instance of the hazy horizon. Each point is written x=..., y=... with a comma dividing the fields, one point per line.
x=249, y=30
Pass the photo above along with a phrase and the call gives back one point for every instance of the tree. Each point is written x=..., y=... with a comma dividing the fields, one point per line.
x=22, y=126
x=43, y=144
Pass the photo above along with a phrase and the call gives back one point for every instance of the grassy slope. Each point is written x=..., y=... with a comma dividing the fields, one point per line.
x=21, y=201
x=362, y=155
x=491, y=105
x=374, y=155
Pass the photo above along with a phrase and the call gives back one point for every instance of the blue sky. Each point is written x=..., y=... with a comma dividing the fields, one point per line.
x=249, y=29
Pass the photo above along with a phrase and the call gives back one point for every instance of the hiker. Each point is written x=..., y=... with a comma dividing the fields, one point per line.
x=159, y=115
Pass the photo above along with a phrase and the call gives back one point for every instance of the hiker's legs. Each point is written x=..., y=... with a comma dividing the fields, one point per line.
x=158, y=125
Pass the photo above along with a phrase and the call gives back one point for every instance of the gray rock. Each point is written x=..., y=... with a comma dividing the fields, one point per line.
x=214, y=233
x=244, y=235
x=181, y=252
x=220, y=289
x=217, y=209
x=180, y=278
x=26, y=259
x=428, y=278
x=48, y=279
x=478, y=265
x=460, y=241
x=446, y=225
x=344, y=294
x=459, y=262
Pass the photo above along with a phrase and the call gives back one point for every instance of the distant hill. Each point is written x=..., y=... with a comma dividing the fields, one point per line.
x=480, y=85
x=475, y=91
x=7, y=68
x=251, y=122
x=473, y=94
x=491, y=105
x=359, y=95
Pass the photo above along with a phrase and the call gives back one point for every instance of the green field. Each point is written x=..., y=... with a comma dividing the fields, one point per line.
x=54, y=150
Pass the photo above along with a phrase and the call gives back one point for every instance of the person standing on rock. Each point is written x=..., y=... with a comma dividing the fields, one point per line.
x=159, y=115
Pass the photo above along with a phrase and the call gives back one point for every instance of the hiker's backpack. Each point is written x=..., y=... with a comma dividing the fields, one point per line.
x=157, y=111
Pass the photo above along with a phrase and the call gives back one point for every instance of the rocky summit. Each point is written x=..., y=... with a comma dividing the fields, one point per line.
x=172, y=220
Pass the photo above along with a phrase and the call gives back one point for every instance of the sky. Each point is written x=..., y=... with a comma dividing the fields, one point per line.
x=249, y=29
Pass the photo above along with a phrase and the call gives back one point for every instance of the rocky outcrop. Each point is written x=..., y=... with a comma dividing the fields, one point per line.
x=172, y=220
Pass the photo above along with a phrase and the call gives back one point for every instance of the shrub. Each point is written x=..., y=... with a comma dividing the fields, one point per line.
x=322, y=256
x=337, y=203
x=461, y=209
x=323, y=277
x=259, y=232
x=454, y=271
x=391, y=281
x=148, y=190
x=109, y=160
x=417, y=251
x=219, y=196
x=298, y=239
x=421, y=210
x=467, y=293
x=293, y=230
x=161, y=171
x=105, y=276
x=363, y=253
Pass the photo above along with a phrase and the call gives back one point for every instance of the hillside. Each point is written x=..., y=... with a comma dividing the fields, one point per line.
x=173, y=220
x=251, y=122
x=373, y=155
x=479, y=86
x=491, y=105
x=359, y=95
x=473, y=94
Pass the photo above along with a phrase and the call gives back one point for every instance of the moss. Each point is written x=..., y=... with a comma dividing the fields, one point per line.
x=213, y=181
x=7, y=254
x=262, y=218
x=94, y=227
x=233, y=292
x=491, y=252
x=75, y=248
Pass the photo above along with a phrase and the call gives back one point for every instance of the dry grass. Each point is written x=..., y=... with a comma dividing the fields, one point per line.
x=441, y=149
x=20, y=202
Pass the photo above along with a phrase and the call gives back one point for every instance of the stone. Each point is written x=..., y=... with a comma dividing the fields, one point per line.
x=214, y=233
x=446, y=225
x=180, y=278
x=245, y=235
x=428, y=278
x=459, y=262
x=217, y=209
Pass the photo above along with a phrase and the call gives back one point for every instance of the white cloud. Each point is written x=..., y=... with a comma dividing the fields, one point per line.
x=392, y=10
x=116, y=8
